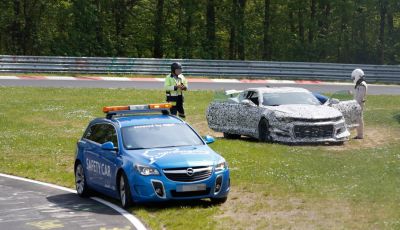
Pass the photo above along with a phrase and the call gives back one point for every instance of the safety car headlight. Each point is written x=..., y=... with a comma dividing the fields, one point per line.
x=221, y=166
x=146, y=170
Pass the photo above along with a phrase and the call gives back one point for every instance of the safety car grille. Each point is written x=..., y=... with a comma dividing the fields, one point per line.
x=308, y=131
x=188, y=174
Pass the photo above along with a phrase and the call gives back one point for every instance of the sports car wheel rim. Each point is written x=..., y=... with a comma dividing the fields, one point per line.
x=79, y=179
x=122, y=190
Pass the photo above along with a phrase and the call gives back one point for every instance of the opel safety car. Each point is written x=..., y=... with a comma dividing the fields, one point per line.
x=140, y=153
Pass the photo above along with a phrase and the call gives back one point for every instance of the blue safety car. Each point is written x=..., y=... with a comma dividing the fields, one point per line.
x=140, y=153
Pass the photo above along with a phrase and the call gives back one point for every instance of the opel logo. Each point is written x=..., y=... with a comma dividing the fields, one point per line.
x=189, y=171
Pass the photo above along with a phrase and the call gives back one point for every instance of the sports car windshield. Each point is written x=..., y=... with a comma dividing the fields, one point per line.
x=290, y=98
x=159, y=136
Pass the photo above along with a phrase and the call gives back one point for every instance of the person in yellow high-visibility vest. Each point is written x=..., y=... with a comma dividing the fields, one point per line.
x=175, y=84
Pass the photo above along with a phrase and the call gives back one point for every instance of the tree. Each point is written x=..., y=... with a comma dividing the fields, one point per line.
x=210, y=28
x=267, y=37
x=158, y=29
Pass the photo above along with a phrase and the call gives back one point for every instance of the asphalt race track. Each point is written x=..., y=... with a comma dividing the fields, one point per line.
x=26, y=205
x=223, y=85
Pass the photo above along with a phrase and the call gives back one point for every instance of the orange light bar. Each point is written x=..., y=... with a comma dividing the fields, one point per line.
x=107, y=109
x=160, y=106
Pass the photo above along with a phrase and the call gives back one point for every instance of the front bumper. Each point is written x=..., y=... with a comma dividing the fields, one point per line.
x=309, y=132
x=147, y=188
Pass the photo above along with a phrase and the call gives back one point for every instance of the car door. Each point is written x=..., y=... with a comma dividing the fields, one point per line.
x=109, y=158
x=249, y=114
x=343, y=101
x=97, y=160
x=351, y=111
x=222, y=116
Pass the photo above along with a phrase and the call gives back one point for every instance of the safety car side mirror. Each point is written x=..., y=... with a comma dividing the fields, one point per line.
x=209, y=139
x=108, y=146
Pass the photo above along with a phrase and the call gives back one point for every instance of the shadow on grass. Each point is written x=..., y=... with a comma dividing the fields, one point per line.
x=158, y=206
x=397, y=117
x=154, y=207
x=254, y=140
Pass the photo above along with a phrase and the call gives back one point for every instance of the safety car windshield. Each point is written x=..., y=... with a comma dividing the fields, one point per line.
x=290, y=98
x=159, y=136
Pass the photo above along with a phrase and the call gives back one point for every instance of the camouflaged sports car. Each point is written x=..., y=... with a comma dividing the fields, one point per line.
x=283, y=114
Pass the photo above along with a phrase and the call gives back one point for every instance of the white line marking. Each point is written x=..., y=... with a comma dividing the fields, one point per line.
x=272, y=81
x=114, y=78
x=135, y=221
x=225, y=80
x=9, y=78
x=61, y=78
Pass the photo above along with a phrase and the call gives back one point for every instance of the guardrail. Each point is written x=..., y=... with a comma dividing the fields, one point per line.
x=196, y=67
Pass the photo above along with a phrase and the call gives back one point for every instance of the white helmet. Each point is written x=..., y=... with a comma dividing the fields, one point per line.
x=356, y=75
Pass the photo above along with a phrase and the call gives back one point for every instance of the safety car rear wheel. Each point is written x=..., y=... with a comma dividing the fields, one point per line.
x=80, y=181
x=263, y=131
x=124, y=191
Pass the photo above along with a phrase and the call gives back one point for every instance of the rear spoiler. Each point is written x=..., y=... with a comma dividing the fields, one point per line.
x=232, y=91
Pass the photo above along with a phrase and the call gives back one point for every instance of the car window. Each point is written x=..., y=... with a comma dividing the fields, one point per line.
x=290, y=98
x=242, y=95
x=101, y=133
x=159, y=136
x=252, y=96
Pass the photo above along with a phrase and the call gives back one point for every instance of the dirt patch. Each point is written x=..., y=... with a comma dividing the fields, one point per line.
x=257, y=210
x=203, y=129
x=373, y=137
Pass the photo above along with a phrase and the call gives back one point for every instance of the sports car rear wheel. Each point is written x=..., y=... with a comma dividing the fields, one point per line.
x=80, y=182
x=124, y=191
x=263, y=131
x=231, y=136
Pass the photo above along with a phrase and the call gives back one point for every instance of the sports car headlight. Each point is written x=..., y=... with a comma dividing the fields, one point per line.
x=146, y=170
x=285, y=119
x=221, y=166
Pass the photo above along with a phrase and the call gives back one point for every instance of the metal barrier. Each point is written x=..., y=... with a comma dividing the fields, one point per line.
x=196, y=67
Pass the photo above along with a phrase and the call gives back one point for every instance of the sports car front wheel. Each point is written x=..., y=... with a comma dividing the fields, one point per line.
x=263, y=131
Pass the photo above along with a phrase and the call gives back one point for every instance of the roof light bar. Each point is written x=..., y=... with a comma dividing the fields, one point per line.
x=108, y=109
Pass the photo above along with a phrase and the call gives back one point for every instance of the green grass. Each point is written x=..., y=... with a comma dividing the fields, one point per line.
x=355, y=186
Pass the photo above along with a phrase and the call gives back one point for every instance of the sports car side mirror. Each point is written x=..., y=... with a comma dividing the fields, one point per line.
x=209, y=139
x=108, y=146
x=333, y=101
x=247, y=102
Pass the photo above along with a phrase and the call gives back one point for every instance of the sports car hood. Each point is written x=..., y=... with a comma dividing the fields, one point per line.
x=305, y=111
x=179, y=157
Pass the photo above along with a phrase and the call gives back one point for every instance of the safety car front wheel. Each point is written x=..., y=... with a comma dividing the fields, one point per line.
x=80, y=182
x=219, y=200
x=124, y=191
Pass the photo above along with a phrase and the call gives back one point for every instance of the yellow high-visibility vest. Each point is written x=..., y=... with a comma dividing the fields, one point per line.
x=169, y=86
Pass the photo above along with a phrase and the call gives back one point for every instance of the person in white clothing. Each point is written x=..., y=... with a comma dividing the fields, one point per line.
x=360, y=94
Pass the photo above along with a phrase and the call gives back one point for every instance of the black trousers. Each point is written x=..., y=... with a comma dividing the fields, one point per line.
x=178, y=107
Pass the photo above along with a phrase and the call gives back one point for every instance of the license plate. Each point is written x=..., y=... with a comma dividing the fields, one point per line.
x=191, y=188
